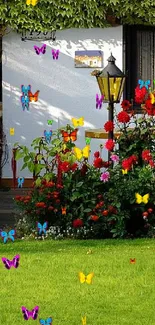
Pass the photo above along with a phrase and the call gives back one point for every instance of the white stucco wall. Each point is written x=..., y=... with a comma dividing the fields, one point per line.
x=65, y=91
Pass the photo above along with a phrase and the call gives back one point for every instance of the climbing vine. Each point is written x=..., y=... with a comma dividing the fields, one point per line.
x=65, y=14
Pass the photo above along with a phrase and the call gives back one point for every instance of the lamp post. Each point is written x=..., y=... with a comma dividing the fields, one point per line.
x=111, y=82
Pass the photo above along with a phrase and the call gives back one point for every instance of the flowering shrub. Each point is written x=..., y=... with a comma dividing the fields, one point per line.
x=107, y=199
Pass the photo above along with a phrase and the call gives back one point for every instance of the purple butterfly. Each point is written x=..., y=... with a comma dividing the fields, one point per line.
x=40, y=50
x=27, y=314
x=99, y=101
x=55, y=54
x=8, y=264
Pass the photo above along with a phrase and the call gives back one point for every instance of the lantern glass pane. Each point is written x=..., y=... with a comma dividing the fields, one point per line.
x=115, y=85
x=103, y=85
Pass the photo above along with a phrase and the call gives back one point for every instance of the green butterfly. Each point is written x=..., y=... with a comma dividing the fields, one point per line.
x=88, y=140
x=50, y=122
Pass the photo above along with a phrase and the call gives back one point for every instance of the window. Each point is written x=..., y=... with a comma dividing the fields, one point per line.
x=139, y=56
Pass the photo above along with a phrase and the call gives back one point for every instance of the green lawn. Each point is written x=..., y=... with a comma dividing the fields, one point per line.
x=121, y=293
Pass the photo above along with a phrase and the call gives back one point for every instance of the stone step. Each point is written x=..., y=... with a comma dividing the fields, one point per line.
x=7, y=219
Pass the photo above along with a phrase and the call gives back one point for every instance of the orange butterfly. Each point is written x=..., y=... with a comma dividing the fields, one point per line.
x=132, y=261
x=33, y=98
x=63, y=210
x=72, y=136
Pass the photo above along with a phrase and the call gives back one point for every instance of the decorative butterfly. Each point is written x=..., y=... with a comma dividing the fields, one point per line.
x=72, y=136
x=40, y=49
x=88, y=140
x=9, y=235
x=33, y=98
x=78, y=122
x=20, y=181
x=132, y=261
x=55, y=54
x=47, y=321
x=42, y=228
x=144, y=83
x=124, y=171
x=12, y=131
x=99, y=101
x=27, y=314
x=142, y=199
x=152, y=97
x=63, y=210
x=84, y=153
x=83, y=320
x=25, y=90
x=8, y=264
x=86, y=278
x=50, y=122
x=48, y=135
x=25, y=102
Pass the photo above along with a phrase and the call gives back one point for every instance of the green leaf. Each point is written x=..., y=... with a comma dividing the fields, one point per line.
x=79, y=184
x=27, y=158
x=30, y=166
x=38, y=181
x=19, y=154
x=87, y=210
x=24, y=166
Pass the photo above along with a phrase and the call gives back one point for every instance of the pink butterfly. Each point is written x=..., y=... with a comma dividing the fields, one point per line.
x=8, y=264
x=55, y=54
x=27, y=314
x=40, y=49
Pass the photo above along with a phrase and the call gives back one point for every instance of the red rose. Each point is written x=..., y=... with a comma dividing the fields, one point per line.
x=78, y=223
x=109, y=126
x=125, y=105
x=109, y=145
x=123, y=117
x=96, y=154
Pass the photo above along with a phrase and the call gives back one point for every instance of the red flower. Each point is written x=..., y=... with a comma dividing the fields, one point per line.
x=151, y=163
x=125, y=105
x=127, y=163
x=94, y=218
x=73, y=167
x=96, y=154
x=49, y=184
x=18, y=197
x=78, y=223
x=59, y=186
x=146, y=155
x=40, y=205
x=123, y=117
x=109, y=145
x=140, y=94
x=133, y=158
x=64, y=166
x=98, y=163
x=109, y=126
x=50, y=208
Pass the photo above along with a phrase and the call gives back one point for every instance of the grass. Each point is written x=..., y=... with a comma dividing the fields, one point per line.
x=121, y=293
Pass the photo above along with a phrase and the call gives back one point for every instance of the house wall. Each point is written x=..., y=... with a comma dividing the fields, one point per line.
x=65, y=91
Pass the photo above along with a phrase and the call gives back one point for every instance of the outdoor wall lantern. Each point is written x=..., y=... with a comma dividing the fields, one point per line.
x=111, y=82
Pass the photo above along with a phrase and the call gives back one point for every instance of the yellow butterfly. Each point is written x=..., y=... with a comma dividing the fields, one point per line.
x=142, y=199
x=78, y=122
x=84, y=153
x=152, y=97
x=124, y=171
x=84, y=320
x=12, y=131
x=31, y=2
x=86, y=278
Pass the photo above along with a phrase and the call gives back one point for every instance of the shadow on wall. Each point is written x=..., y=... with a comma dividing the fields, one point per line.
x=65, y=91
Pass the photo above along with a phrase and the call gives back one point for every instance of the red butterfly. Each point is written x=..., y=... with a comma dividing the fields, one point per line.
x=33, y=98
x=72, y=136
x=132, y=261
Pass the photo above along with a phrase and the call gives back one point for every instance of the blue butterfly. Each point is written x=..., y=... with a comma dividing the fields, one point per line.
x=20, y=181
x=25, y=102
x=25, y=90
x=144, y=83
x=9, y=235
x=47, y=135
x=47, y=321
x=42, y=228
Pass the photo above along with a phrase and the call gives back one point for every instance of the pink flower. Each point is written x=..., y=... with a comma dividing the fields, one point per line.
x=105, y=177
x=114, y=158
